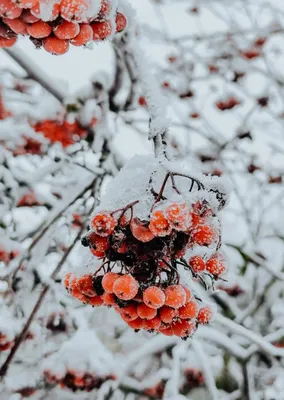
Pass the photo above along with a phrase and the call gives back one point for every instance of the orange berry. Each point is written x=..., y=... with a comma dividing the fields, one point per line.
x=167, y=314
x=154, y=297
x=187, y=293
x=84, y=36
x=105, y=8
x=166, y=330
x=39, y=30
x=108, y=299
x=25, y=3
x=108, y=281
x=175, y=296
x=197, y=264
x=67, y=280
x=136, y=324
x=73, y=10
x=189, y=310
x=204, y=235
x=28, y=17
x=85, y=285
x=103, y=223
x=125, y=287
x=67, y=30
x=196, y=220
x=123, y=248
x=183, y=328
x=216, y=265
x=205, y=315
x=129, y=313
x=152, y=324
x=159, y=225
x=16, y=24
x=9, y=10
x=55, y=46
x=178, y=216
x=101, y=30
x=99, y=244
x=5, y=43
x=121, y=22
x=146, y=312
x=95, y=301
x=140, y=231
x=75, y=292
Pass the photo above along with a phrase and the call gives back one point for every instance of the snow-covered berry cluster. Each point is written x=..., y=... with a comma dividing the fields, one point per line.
x=170, y=223
x=56, y=24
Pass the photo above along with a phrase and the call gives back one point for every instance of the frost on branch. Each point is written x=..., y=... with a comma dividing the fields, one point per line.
x=153, y=221
x=55, y=24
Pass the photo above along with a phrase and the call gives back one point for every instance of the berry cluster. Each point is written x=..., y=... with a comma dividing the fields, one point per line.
x=76, y=380
x=54, y=26
x=7, y=255
x=142, y=252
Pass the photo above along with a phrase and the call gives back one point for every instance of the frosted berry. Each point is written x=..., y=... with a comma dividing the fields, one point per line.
x=188, y=293
x=5, y=43
x=85, y=285
x=9, y=10
x=55, y=46
x=84, y=36
x=205, y=315
x=183, y=328
x=101, y=30
x=216, y=265
x=146, y=312
x=99, y=245
x=166, y=330
x=189, y=310
x=137, y=323
x=28, y=17
x=73, y=9
x=126, y=287
x=129, y=313
x=25, y=3
x=108, y=281
x=159, y=224
x=39, y=30
x=197, y=264
x=95, y=301
x=152, y=324
x=154, y=297
x=140, y=231
x=108, y=299
x=121, y=22
x=175, y=296
x=178, y=216
x=103, y=224
x=67, y=30
x=17, y=25
x=167, y=314
x=204, y=235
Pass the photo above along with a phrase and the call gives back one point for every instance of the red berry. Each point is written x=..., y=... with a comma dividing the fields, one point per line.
x=146, y=312
x=152, y=324
x=9, y=10
x=101, y=30
x=187, y=293
x=28, y=17
x=67, y=30
x=205, y=315
x=189, y=310
x=166, y=330
x=154, y=297
x=25, y=3
x=108, y=281
x=95, y=301
x=159, y=224
x=126, y=287
x=16, y=24
x=136, y=324
x=85, y=285
x=99, y=244
x=5, y=43
x=175, y=296
x=197, y=264
x=121, y=22
x=204, y=235
x=183, y=328
x=216, y=265
x=84, y=36
x=178, y=216
x=167, y=314
x=140, y=231
x=39, y=30
x=55, y=46
x=129, y=313
x=103, y=223
x=108, y=299
x=73, y=10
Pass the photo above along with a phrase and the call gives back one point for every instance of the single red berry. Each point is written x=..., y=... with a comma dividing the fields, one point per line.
x=121, y=22
x=39, y=30
x=166, y=330
x=167, y=314
x=125, y=287
x=205, y=315
x=67, y=30
x=154, y=297
x=85, y=285
x=189, y=310
x=175, y=296
x=159, y=224
x=55, y=46
x=204, y=235
x=197, y=264
x=103, y=223
x=152, y=324
x=178, y=216
x=216, y=265
x=183, y=328
x=108, y=299
x=137, y=323
x=95, y=301
x=140, y=231
x=84, y=36
x=187, y=293
x=129, y=313
x=101, y=30
x=146, y=312
x=108, y=281
x=99, y=244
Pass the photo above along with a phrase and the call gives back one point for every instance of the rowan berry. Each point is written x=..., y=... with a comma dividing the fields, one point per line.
x=99, y=244
x=67, y=30
x=137, y=323
x=68, y=280
x=154, y=297
x=205, y=315
x=129, y=313
x=108, y=281
x=39, y=30
x=183, y=328
x=146, y=312
x=25, y=3
x=152, y=324
x=123, y=248
x=197, y=264
x=196, y=220
x=125, y=287
x=73, y=10
x=101, y=30
x=55, y=46
x=204, y=235
x=166, y=330
x=9, y=10
x=108, y=299
x=159, y=224
x=167, y=314
x=178, y=216
x=85, y=285
x=28, y=17
x=188, y=293
x=5, y=43
x=95, y=301
x=175, y=296
x=84, y=36
x=17, y=25
x=189, y=310
x=216, y=265
x=75, y=292
x=140, y=231
x=105, y=8
x=120, y=21
x=103, y=223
